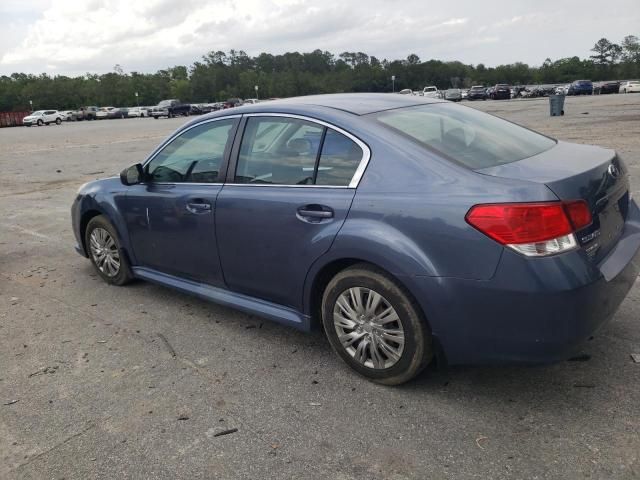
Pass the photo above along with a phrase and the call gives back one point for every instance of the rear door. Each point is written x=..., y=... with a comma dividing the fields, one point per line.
x=290, y=187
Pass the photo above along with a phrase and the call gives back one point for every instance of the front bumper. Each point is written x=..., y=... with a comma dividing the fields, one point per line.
x=533, y=310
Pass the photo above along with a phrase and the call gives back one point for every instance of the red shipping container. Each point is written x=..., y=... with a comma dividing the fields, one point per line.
x=12, y=119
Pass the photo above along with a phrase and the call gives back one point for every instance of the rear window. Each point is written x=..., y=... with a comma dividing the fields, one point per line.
x=474, y=139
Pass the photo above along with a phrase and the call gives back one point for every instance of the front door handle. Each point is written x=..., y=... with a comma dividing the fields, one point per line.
x=315, y=212
x=198, y=207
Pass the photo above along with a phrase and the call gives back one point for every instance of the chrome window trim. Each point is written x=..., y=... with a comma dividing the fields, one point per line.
x=278, y=185
x=181, y=183
x=357, y=176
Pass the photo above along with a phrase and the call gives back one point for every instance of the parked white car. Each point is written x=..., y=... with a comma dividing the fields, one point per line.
x=66, y=115
x=632, y=86
x=138, y=112
x=453, y=95
x=105, y=112
x=431, y=92
x=42, y=117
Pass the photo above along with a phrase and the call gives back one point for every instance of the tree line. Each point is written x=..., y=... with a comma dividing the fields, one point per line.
x=219, y=75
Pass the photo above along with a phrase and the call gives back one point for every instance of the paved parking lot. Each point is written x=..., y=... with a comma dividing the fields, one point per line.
x=137, y=382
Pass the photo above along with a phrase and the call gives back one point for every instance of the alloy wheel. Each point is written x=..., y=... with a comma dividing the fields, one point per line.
x=104, y=252
x=368, y=328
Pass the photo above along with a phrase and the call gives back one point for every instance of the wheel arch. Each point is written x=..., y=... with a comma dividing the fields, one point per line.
x=92, y=208
x=84, y=222
x=325, y=272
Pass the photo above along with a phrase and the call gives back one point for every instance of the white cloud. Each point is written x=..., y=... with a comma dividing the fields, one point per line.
x=73, y=36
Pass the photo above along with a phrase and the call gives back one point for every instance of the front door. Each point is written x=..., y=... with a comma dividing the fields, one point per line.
x=287, y=201
x=171, y=216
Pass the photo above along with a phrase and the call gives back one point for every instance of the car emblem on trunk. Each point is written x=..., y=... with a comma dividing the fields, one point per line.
x=613, y=171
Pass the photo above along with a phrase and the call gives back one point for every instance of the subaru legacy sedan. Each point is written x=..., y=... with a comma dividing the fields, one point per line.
x=407, y=228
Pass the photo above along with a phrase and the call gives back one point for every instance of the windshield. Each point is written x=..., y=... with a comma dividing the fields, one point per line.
x=39, y=112
x=472, y=138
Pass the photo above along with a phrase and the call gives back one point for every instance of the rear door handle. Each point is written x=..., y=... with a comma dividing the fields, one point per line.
x=315, y=212
x=198, y=207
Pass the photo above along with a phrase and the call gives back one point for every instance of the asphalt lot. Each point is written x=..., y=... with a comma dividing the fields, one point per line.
x=99, y=393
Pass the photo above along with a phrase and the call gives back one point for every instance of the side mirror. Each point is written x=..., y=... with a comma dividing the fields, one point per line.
x=132, y=175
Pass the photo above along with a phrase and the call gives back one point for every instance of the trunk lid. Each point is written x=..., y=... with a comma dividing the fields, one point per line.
x=581, y=172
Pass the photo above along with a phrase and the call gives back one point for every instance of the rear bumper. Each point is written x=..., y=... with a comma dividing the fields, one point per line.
x=533, y=310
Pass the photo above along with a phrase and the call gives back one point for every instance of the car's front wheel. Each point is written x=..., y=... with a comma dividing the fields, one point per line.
x=103, y=245
x=374, y=326
x=58, y=121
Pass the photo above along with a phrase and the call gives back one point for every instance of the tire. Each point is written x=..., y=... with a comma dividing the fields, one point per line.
x=405, y=359
x=58, y=121
x=105, y=268
x=39, y=123
x=155, y=117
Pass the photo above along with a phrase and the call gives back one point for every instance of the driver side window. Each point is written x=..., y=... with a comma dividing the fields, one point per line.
x=193, y=157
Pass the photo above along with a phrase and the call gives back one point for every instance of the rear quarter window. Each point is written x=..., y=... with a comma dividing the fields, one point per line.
x=474, y=139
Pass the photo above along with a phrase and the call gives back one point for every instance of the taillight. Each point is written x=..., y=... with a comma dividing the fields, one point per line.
x=533, y=229
x=579, y=214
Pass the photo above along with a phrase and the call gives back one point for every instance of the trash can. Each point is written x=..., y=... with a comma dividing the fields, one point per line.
x=556, y=105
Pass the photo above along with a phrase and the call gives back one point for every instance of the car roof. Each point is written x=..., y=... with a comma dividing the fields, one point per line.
x=355, y=103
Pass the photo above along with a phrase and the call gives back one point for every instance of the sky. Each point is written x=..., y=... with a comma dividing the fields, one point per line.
x=73, y=37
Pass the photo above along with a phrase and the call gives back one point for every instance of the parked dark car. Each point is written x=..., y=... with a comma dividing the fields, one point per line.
x=602, y=88
x=85, y=113
x=477, y=93
x=581, y=87
x=404, y=225
x=231, y=103
x=501, y=92
x=170, y=108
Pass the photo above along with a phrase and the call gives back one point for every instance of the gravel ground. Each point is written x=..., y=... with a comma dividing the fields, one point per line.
x=137, y=382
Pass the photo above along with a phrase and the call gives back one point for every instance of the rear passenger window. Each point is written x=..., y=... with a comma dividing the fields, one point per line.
x=289, y=151
x=277, y=150
x=339, y=160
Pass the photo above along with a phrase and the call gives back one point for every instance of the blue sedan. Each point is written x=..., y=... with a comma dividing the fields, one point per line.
x=407, y=228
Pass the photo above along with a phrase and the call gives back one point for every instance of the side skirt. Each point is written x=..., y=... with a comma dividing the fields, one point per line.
x=262, y=308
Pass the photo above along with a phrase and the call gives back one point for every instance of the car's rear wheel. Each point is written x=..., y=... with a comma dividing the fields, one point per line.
x=374, y=326
x=103, y=246
x=58, y=121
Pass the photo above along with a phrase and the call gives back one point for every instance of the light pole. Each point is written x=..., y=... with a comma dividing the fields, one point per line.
x=31, y=105
x=137, y=102
x=393, y=83
x=256, y=88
